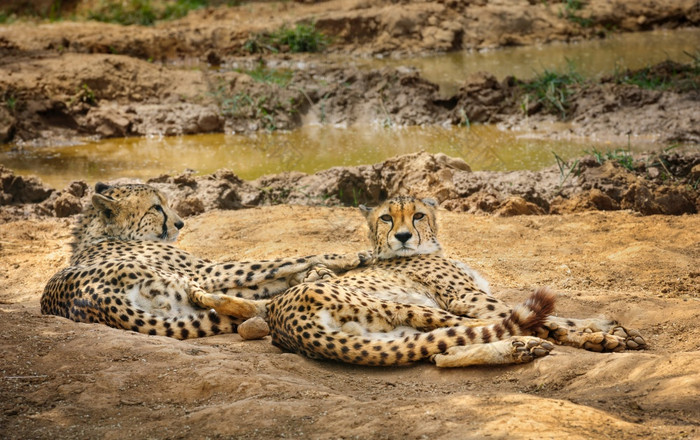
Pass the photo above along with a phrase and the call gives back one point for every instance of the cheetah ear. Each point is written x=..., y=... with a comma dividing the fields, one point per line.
x=430, y=202
x=105, y=205
x=365, y=210
x=101, y=187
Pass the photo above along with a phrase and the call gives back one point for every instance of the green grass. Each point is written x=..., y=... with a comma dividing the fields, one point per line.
x=552, y=89
x=566, y=170
x=263, y=74
x=143, y=12
x=620, y=155
x=6, y=18
x=645, y=79
x=301, y=38
x=570, y=9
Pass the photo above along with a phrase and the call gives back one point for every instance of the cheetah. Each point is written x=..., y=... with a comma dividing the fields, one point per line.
x=403, y=232
x=413, y=304
x=124, y=273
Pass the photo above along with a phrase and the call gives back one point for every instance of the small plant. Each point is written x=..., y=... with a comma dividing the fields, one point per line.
x=644, y=79
x=143, y=12
x=552, y=89
x=11, y=103
x=566, y=170
x=300, y=38
x=6, y=18
x=87, y=95
x=570, y=9
x=275, y=76
x=620, y=155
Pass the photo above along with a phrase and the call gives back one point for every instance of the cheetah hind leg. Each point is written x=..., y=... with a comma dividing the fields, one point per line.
x=227, y=305
x=600, y=335
x=514, y=350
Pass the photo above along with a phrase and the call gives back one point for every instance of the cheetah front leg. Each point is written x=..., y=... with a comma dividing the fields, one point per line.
x=264, y=279
x=226, y=304
x=514, y=350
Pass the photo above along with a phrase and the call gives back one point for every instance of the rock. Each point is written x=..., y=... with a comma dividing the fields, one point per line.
x=254, y=328
x=588, y=201
x=192, y=205
x=67, y=204
x=78, y=188
x=695, y=173
x=209, y=121
x=518, y=206
x=16, y=189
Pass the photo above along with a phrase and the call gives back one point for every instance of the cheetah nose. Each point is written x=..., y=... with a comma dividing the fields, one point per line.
x=179, y=224
x=403, y=237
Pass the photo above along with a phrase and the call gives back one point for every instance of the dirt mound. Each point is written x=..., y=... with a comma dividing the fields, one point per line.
x=650, y=184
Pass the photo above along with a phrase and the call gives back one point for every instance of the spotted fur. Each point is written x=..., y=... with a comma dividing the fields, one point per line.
x=414, y=304
x=124, y=273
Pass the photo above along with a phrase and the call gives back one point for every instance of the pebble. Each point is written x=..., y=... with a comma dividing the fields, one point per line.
x=254, y=328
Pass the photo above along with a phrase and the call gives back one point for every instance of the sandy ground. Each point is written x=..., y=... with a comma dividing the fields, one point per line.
x=62, y=379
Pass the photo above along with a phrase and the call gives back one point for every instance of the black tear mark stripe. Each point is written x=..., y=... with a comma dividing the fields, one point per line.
x=164, y=234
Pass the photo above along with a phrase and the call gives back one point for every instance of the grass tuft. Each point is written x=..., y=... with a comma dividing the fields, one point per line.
x=143, y=12
x=552, y=89
x=301, y=38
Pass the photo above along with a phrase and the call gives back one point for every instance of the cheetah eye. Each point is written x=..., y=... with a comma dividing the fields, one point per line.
x=158, y=208
x=386, y=218
x=418, y=216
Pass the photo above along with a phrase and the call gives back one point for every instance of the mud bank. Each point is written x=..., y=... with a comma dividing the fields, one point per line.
x=655, y=184
x=62, y=99
x=65, y=81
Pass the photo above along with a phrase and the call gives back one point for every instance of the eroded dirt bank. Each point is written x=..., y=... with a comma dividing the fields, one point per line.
x=64, y=81
x=61, y=379
x=649, y=184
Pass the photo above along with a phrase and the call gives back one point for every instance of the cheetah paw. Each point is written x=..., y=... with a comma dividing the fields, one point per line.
x=633, y=339
x=317, y=273
x=515, y=350
x=529, y=349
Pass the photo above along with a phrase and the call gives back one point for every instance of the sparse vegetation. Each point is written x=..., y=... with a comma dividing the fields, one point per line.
x=143, y=12
x=571, y=7
x=262, y=73
x=619, y=155
x=566, y=170
x=301, y=38
x=10, y=102
x=552, y=89
x=6, y=18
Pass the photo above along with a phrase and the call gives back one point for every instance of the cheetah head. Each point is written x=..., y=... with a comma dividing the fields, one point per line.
x=133, y=212
x=403, y=226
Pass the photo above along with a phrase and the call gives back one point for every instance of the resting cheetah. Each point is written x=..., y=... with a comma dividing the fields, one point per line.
x=403, y=232
x=123, y=273
x=388, y=313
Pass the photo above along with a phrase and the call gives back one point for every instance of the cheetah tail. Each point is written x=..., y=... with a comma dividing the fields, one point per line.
x=532, y=313
x=205, y=323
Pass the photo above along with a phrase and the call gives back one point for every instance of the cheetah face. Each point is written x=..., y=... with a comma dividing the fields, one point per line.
x=403, y=226
x=136, y=212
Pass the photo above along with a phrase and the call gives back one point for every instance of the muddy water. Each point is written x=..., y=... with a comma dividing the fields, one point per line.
x=593, y=58
x=314, y=148
x=308, y=150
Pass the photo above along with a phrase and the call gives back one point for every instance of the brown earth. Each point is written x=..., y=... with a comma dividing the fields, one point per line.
x=64, y=81
x=665, y=183
x=62, y=379
x=608, y=252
